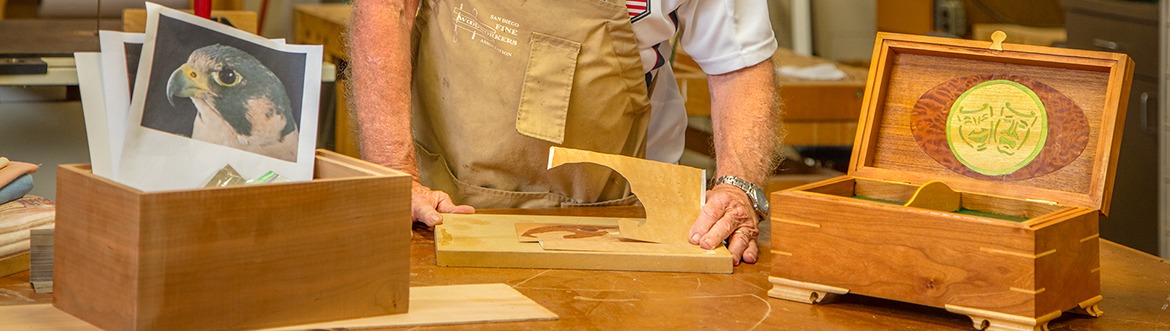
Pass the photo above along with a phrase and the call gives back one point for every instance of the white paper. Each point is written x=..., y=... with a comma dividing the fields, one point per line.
x=160, y=152
x=93, y=106
x=120, y=53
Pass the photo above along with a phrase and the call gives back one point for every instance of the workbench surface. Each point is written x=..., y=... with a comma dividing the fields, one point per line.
x=1136, y=287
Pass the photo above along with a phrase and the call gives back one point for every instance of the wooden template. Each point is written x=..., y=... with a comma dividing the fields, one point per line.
x=336, y=247
x=671, y=195
x=1021, y=131
x=429, y=305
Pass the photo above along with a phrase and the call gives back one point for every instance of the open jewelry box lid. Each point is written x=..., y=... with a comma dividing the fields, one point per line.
x=1026, y=122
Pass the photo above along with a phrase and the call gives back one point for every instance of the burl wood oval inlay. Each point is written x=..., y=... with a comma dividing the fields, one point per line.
x=999, y=127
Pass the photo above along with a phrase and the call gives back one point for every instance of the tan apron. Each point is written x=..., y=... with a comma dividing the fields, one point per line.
x=497, y=82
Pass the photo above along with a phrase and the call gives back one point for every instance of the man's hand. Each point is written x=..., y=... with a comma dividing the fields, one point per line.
x=426, y=205
x=728, y=214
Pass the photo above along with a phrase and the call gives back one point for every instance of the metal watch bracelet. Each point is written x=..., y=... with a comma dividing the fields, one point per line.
x=754, y=193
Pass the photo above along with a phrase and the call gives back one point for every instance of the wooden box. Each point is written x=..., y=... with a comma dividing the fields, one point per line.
x=242, y=257
x=1027, y=136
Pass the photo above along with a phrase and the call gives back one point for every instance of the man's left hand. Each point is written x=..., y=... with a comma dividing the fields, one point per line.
x=728, y=214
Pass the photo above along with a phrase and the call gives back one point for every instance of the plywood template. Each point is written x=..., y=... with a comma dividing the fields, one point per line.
x=672, y=194
x=429, y=305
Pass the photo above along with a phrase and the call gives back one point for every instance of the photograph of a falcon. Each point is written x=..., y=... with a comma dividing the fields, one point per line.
x=240, y=102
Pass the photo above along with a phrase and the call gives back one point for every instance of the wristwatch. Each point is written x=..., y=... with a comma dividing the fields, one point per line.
x=757, y=195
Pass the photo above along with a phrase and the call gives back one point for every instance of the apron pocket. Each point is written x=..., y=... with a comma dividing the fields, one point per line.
x=548, y=81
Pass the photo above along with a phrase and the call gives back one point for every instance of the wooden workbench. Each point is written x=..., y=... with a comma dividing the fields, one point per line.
x=1136, y=287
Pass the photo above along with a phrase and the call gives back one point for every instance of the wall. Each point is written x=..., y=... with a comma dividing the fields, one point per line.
x=44, y=133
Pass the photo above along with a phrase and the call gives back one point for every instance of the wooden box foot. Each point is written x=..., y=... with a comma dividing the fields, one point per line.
x=996, y=321
x=792, y=290
x=1089, y=307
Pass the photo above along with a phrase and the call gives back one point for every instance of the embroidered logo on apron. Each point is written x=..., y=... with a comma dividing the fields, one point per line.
x=493, y=31
x=638, y=9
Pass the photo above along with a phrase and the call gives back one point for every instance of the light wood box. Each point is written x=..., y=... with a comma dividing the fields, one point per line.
x=244, y=257
x=1004, y=274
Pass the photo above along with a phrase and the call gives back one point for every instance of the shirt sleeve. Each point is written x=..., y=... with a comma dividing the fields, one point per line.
x=726, y=35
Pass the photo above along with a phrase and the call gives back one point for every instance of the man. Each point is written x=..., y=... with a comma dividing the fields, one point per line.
x=497, y=82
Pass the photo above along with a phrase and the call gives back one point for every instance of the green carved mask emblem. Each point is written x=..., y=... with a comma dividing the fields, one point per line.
x=997, y=127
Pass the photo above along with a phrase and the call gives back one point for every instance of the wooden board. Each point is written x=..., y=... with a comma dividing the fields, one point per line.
x=429, y=305
x=480, y=240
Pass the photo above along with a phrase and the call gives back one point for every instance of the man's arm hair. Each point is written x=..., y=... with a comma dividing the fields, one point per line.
x=379, y=81
x=745, y=114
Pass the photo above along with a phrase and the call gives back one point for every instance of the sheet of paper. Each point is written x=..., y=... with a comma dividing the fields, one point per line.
x=207, y=95
x=118, y=66
x=93, y=107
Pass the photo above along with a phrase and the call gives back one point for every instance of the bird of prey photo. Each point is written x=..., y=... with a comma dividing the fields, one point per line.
x=241, y=104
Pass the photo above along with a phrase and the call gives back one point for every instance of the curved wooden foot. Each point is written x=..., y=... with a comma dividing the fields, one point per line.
x=792, y=290
x=995, y=321
x=1089, y=307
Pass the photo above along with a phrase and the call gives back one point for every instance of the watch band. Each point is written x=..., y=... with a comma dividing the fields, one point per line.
x=754, y=193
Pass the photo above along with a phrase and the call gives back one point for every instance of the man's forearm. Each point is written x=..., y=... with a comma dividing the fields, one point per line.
x=745, y=113
x=380, y=73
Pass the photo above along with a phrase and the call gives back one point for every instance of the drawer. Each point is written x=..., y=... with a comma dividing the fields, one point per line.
x=1137, y=38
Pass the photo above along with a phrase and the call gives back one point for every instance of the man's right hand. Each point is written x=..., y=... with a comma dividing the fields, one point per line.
x=426, y=205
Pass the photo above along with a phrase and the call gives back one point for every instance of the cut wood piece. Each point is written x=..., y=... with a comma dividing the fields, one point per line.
x=671, y=194
x=935, y=195
x=430, y=305
x=483, y=240
x=452, y=304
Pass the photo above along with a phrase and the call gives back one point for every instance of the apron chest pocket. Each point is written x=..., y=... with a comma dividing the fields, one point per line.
x=548, y=82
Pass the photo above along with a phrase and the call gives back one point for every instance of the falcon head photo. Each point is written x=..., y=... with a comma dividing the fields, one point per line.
x=240, y=103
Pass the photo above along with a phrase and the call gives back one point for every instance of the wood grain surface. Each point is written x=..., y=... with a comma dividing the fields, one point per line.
x=907, y=67
x=1134, y=283
x=483, y=240
x=167, y=258
x=429, y=305
x=1067, y=130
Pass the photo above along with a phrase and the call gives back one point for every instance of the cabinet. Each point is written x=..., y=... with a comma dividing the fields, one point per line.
x=1133, y=28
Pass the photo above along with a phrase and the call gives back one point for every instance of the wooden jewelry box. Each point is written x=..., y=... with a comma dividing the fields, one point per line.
x=1027, y=137
x=244, y=257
